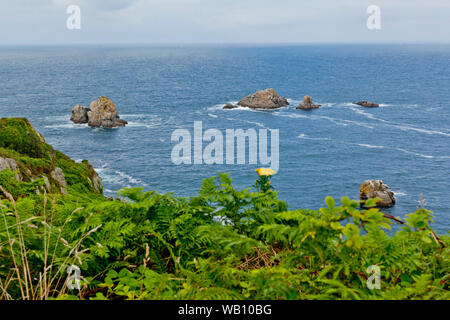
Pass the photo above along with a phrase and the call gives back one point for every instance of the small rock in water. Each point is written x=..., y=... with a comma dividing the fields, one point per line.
x=307, y=104
x=367, y=104
x=230, y=106
x=377, y=189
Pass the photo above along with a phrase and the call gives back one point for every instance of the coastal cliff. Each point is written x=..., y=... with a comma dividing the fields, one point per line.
x=28, y=165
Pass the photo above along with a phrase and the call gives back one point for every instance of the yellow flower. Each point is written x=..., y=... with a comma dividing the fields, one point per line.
x=265, y=172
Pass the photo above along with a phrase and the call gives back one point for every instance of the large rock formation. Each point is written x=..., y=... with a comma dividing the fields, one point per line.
x=264, y=99
x=367, y=104
x=377, y=189
x=307, y=104
x=101, y=113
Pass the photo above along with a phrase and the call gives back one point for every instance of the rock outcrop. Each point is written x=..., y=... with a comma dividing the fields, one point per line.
x=264, y=99
x=101, y=113
x=80, y=114
x=367, y=104
x=11, y=164
x=377, y=189
x=58, y=175
x=307, y=104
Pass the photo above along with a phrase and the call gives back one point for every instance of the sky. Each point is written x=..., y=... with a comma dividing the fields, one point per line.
x=43, y=22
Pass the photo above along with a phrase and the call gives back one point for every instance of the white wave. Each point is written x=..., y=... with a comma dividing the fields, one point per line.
x=57, y=118
x=400, y=126
x=129, y=178
x=369, y=146
x=212, y=115
x=117, y=177
x=399, y=193
x=259, y=124
x=365, y=114
x=306, y=137
x=344, y=122
x=66, y=126
x=240, y=108
x=101, y=129
x=140, y=115
x=293, y=101
x=416, y=153
x=143, y=124
x=421, y=130
x=291, y=115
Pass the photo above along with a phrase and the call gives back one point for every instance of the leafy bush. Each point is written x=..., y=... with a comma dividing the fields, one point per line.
x=222, y=244
x=19, y=135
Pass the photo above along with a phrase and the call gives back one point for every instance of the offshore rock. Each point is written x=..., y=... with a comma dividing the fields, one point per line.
x=264, y=99
x=101, y=113
x=367, y=104
x=230, y=106
x=377, y=189
x=80, y=114
x=307, y=104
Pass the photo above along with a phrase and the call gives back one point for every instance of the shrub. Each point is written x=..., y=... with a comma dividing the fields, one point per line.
x=222, y=244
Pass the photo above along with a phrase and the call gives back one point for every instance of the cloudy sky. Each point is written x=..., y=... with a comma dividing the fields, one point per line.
x=33, y=22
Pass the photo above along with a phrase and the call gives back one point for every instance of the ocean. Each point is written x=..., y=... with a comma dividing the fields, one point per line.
x=328, y=151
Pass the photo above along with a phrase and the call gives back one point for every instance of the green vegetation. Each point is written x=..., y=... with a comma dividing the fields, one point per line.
x=222, y=244
x=33, y=161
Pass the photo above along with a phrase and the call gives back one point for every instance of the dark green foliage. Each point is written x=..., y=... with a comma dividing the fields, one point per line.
x=18, y=134
x=231, y=244
x=36, y=159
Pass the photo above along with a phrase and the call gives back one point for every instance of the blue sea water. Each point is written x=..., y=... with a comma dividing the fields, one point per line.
x=329, y=151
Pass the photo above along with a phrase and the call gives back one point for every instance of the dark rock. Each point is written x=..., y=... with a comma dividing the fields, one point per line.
x=377, y=189
x=230, y=106
x=367, y=104
x=264, y=99
x=307, y=104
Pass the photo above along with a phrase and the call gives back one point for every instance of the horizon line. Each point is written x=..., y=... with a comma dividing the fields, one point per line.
x=151, y=44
